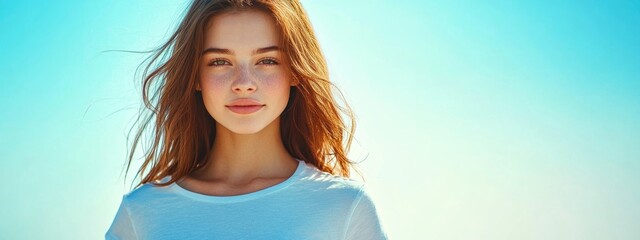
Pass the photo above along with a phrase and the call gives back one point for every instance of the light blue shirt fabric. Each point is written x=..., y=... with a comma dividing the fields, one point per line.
x=310, y=204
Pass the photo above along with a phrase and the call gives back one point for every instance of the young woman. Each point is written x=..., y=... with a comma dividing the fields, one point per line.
x=249, y=142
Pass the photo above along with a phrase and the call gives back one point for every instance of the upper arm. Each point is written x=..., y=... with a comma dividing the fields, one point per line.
x=122, y=225
x=364, y=222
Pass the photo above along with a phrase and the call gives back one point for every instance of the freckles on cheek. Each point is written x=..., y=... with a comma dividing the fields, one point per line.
x=274, y=79
x=217, y=79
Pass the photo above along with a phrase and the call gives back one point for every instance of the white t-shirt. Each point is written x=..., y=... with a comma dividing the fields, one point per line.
x=310, y=204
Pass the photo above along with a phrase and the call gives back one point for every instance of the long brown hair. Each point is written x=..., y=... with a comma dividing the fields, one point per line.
x=312, y=125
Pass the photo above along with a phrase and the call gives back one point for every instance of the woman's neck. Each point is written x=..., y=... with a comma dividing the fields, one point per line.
x=241, y=158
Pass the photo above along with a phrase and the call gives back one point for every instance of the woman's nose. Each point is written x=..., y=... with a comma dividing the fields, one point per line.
x=244, y=82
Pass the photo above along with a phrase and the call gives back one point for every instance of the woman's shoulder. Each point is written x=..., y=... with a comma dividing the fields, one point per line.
x=331, y=191
x=316, y=179
x=148, y=192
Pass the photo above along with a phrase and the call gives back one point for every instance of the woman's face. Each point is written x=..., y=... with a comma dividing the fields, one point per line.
x=244, y=77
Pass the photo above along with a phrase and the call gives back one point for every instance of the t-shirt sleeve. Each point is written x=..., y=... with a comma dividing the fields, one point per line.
x=122, y=226
x=364, y=222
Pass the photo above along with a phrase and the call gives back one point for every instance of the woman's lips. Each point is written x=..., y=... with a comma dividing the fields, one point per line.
x=245, y=109
x=245, y=106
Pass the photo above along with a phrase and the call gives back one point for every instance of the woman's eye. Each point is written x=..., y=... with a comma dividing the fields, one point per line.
x=218, y=62
x=268, y=61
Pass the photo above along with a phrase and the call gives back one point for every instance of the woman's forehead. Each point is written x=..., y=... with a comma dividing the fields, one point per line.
x=242, y=30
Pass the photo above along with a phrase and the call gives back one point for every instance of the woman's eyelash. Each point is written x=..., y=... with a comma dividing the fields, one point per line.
x=218, y=62
x=222, y=61
x=272, y=61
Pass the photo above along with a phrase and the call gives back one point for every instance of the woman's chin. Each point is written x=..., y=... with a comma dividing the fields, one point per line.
x=249, y=126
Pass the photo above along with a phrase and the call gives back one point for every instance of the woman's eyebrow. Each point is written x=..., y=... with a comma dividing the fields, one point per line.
x=217, y=50
x=265, y=49
x=230, y=52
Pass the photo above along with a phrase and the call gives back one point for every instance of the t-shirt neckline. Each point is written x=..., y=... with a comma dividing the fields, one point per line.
x=242, y=197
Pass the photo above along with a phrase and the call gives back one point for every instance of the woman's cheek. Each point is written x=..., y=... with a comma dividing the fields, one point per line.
x=217, y=79
x=274, y=79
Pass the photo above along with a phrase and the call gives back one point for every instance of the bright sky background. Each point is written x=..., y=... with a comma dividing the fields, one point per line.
x=481, y=119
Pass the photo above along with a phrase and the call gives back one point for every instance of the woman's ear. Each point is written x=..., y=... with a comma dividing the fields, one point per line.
x=198, y=87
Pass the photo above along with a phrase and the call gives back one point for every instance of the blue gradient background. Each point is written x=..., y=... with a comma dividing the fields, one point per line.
x=479, y=120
